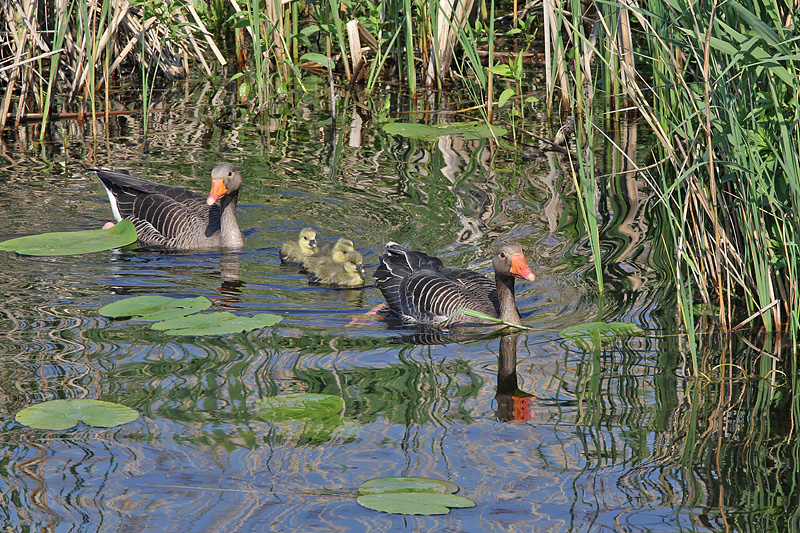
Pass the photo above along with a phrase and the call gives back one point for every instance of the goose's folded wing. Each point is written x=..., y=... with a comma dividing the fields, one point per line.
x=435, y=297
x=163, y=221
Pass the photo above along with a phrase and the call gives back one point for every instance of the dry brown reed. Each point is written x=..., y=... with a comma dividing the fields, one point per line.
x=110, y=37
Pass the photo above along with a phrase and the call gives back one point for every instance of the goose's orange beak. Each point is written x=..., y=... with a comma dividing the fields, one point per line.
x=218, y=190
x=520, y=268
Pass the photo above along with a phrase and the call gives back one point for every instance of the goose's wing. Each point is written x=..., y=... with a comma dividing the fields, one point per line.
x=431, y=296
x=482, y=291
x=163, y=221
x=117, y=183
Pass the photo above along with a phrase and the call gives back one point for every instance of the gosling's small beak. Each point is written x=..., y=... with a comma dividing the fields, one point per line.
x=520, y=268
x=218, y=190
x=312, y=243
x=360, y=268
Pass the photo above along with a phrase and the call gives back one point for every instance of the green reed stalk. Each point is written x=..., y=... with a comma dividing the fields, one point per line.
x=62, y=15
x=409, y=55
x=254, y=19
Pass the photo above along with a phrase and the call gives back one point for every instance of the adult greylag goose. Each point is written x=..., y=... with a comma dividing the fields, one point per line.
x=296, y=252
x=175, y=218
x=420, y=289
x=345, y=273
x=329, y=254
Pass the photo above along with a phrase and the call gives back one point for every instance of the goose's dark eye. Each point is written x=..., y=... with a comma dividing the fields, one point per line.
x=502, y=255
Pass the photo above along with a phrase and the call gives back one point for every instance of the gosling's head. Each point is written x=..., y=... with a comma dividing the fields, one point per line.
x=307, y=240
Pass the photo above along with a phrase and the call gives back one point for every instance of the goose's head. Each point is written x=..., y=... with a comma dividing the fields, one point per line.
x=510, y=261
x=307, y=241
x=225, y=179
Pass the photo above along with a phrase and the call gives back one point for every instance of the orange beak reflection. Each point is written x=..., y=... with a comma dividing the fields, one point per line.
x=218, y=190
x=520, y=268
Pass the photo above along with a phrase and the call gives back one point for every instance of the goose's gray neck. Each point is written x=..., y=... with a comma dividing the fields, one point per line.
x=230, y=234
x=507, y=300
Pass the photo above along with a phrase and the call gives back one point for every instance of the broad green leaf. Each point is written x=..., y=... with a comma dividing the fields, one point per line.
x=501, y=70
x=382, y=485
x=594, y=334
x=470, y=130
x=73, y=242
x=316, y=58
x=153, y=307
x=64, y=414
x=413, y=503
x=215, y=323
x=300, y=405
x=307, y=416
x=504, y=96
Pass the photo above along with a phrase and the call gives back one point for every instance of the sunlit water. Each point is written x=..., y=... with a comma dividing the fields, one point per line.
x=585, y=452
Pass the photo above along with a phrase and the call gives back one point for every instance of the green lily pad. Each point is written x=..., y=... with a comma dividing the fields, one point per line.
x=315, y=417
x=220, y=323
x=73, y=242
x=470, y=130
x=411, y=495
x=64, y=414
x=154, y=307
x=381, y=485
x=300, y=405
x=595, y=334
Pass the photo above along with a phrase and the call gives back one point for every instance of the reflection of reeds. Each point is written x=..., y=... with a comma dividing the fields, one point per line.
x=57, y=48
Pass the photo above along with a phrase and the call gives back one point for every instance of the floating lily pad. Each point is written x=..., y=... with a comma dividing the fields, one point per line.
x=411, y=495
x=152, y=307
x=470, y=130
x=300, y=405
x=73, y=242
x=380, y=485
x=595, y=334
x=64, y=414
x=215, y=323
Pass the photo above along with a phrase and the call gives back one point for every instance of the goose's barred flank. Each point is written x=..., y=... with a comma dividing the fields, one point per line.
x=175, y=218
x=420, y=289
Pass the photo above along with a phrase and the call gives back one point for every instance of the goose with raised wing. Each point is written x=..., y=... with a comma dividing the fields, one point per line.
x=175, y=218
x=420, y=289
x=305, y=246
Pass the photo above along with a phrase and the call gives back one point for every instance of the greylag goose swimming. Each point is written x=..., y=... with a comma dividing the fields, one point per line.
x=296, y=252
x=420, y=289
x=345, y=273
x=330, y=253
x=176, y=218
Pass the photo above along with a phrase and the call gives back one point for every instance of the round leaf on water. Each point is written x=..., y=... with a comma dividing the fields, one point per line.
x=413, y=503
x=64, y=414
x=73, y=242
x=595, y=334
x=155, y=307
x=215, y=323
x=300, y=405
x=382, y=485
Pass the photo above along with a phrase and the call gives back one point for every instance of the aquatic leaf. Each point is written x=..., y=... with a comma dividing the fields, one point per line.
x=504, y=96
x=595, y=334
x=470, y=130
x=151, y=307
x=64, y=414
x=307, y=416
x=484, y=316
x=73, y=242
x=413, y=503
x=411, y=495
x=300, y=405
x=215, y=323
x=380, y=485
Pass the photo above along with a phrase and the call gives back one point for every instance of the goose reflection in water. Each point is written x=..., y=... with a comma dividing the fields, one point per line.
x=513, y=404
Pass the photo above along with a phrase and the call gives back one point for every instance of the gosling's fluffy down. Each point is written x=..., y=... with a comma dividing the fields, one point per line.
x=330, y=253
x=296, y=252
x=347, y=273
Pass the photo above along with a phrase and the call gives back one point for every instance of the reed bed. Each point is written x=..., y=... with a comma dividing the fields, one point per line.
x=68, y=50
